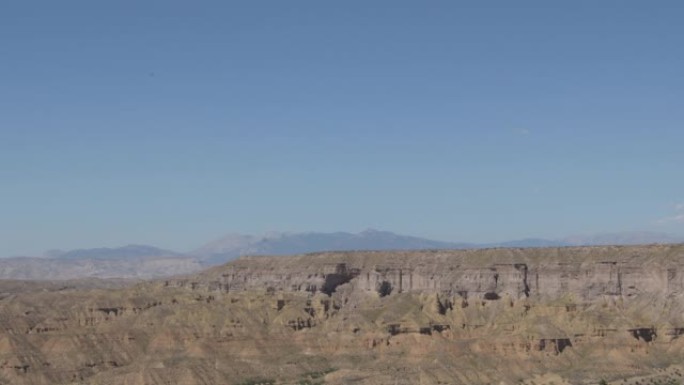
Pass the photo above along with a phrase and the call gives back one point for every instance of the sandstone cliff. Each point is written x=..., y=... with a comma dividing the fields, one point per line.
x=450, y=317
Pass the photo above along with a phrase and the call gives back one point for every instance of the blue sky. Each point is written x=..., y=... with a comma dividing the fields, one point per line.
x=173, y=122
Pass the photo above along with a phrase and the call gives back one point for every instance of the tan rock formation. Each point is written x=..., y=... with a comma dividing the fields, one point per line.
x=538, y=316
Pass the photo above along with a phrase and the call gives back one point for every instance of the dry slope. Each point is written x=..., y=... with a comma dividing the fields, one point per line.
x=538, y=316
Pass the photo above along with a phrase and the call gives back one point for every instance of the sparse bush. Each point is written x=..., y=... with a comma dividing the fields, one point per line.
x=385, y=289
x=311, y=377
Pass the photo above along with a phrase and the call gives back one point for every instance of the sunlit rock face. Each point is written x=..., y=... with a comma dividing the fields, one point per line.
x=587, y=273
x=558, y=315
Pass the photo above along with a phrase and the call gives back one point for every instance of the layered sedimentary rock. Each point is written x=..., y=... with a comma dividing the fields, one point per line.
x=452, y=317
x=584, y=272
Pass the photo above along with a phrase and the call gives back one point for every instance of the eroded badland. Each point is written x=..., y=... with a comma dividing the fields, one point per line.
x=538, y=316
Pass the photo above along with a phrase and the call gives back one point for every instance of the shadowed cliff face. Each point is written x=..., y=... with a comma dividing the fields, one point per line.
x=587, y=273
x=499, y=315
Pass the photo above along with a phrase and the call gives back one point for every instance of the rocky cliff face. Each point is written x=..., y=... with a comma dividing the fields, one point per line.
x=587, y=273
x=531, y=316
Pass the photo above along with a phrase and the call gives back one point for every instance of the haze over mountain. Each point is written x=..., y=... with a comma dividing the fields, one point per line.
x=235, y=245
x=623, y=238
x=34, y=268
x=132, y=261
x=124, y=252
x=143, y=261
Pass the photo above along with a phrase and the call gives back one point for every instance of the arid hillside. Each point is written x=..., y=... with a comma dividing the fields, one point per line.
x=533, y=316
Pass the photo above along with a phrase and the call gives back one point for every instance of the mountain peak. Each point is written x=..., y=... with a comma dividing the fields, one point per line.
x=225, y=249
x=371, y=230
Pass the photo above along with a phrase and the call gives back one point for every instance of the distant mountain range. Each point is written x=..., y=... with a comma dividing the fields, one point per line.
x=125, y=252
x=131, y=261
x=142, y=261
x=35, y=268
x=235, y=245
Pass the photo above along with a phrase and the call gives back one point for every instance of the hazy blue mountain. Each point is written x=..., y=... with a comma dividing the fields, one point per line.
x=132, y=261
x=141, y=261
x=618, y=238
x=34, y=268
x=366, y=240
x=530, y=242
x=233, y=246
x=124, y=252
x=624, y=238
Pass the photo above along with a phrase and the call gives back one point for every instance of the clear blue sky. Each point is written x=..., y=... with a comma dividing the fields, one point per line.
x=173, y=122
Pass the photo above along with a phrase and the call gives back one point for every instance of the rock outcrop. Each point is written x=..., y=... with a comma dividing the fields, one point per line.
x=583, y=272
x=535, y=316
